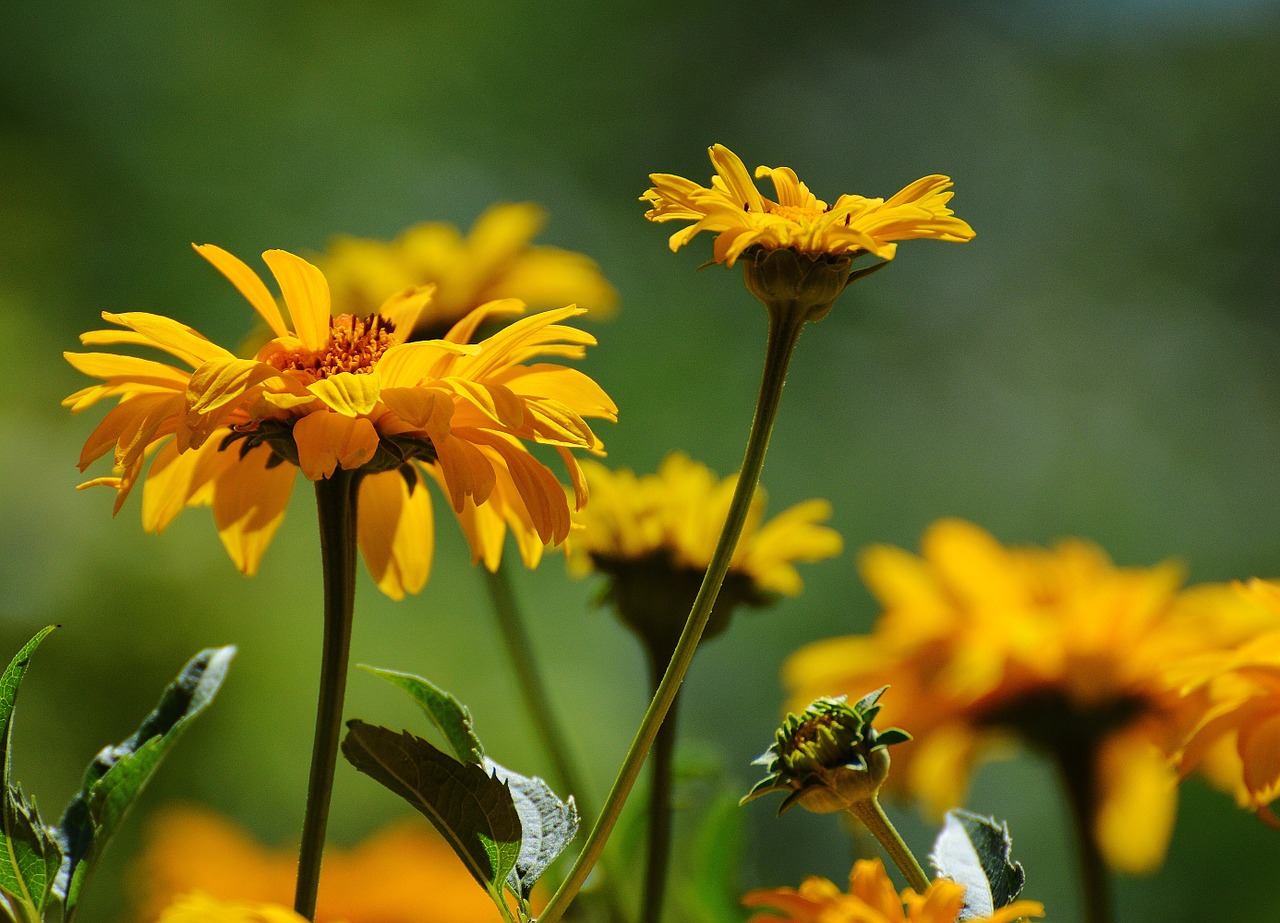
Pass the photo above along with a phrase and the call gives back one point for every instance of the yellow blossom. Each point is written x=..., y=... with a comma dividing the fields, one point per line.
x=494, y=260
x=1058, y=648
x=872, y=899
x=653, y=536
x=385, y=879
x=345, y=392
x=741, y=216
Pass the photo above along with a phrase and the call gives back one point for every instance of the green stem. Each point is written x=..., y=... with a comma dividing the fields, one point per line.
x=336, y=506
x=784, y=330
x=555, y=743
x=875, y=820
x=661, y=765
x=1075, y=768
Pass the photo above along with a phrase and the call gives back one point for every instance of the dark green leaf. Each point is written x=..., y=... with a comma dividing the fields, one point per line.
x=975, y=851
x=547, y=825
x=445, y=712
x=29, y=856
x=118, y=774
x=473, y=810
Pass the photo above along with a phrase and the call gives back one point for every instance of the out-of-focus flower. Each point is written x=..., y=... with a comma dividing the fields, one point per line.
x=1235, y=731
x=799, y=249
x=653, y=536
x=403, y=874
x=330, y=392
x=872, y=899
x=198, y=907
x=1058, y=648
x=828, y=758
x=494, y=260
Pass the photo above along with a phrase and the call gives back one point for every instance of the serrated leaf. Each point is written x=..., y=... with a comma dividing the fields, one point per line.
x=446, y=713
x=118, y=774
x=474, y=811
x=975, y=851
x=547, y=826
x=29, y=856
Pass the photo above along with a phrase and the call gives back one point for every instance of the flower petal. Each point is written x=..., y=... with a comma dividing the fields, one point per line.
x=327, y=440
x=396, y=531
x=247, y=283
x=306, y=295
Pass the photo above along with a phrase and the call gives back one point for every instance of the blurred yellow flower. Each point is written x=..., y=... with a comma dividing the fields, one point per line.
x=653, y=536
x=1057, y=648
x=403, y=874
x=494, y=260
x=1234, y=735
x=346, y=392
x=734, y=208
x=872, y=899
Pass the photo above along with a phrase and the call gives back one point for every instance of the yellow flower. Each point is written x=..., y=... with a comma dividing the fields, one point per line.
x=734, y=208
x=654, y=535
x=1057, y=648
x=872, y=899
x=495, y=260
x=1235, y=731
x=346, y=392
x=201, y=908
x=403, y=874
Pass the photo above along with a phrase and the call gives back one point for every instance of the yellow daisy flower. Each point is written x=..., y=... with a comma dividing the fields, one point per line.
x=1235, y=727
x=494, y=260
x=871, y=898
x=381, y=880
x=330, y=392
x=653, y=536
x=742, y=217
x=1057, y=648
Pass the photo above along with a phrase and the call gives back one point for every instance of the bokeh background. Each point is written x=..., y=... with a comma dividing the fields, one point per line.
x=1100, y=361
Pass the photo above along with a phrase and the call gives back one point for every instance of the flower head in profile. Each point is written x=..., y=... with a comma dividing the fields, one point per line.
x=1234, y=733
x=381, y=880
x=1058, y=648
x=495, y=260
x=798, y=248
x=328, y=393
x=653, y=535
x=871, y=898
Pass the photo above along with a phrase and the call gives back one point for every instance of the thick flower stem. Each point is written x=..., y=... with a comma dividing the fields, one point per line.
x=876, y=821
x=551, y=734
x=784, y=330
x=336, y=505
x=661, y=769
x=1076, y=769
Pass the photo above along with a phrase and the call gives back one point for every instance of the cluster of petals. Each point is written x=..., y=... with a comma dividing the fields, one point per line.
x=979, y=640
x=1234, y=733
x=196, y=861
x=494, y=260
x=334, y=393
x=680, y=511
x=734, y=208
x=871, y=898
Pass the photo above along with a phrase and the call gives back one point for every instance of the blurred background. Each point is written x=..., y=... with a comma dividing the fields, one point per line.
x=1100, y=361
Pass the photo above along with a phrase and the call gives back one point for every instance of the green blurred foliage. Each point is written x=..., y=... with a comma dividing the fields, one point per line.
x=1098, y=362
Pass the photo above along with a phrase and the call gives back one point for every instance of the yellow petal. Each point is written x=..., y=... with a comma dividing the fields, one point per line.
x=396, y=532
x=247, y=283
x=348, y=393
x=220, y=381
x=736, y=179
x=1138, y=802
x=306, y=295
x=249, y=500
x=327, y=440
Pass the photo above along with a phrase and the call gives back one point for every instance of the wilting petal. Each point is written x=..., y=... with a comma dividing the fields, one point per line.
x=396, y=532
x=249, y=499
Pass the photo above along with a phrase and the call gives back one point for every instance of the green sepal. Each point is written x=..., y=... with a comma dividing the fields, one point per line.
x=118, y=774
x=446, y=712
x=976, y=851
x=29, y=855
x=547, y=826
x=473, y=809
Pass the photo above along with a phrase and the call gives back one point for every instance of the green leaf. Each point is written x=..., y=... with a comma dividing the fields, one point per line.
x=710, y=891
x=547, y=825
x=445, y=712
x=118, y=774
x=29, y=856
x=473, y=810
x=975, y=851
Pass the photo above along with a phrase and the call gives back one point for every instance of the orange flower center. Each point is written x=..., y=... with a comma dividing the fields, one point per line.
x=355, y=345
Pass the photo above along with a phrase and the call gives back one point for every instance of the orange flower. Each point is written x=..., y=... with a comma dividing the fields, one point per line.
x=382, y=880
x=346, y=392
x=872, y=899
